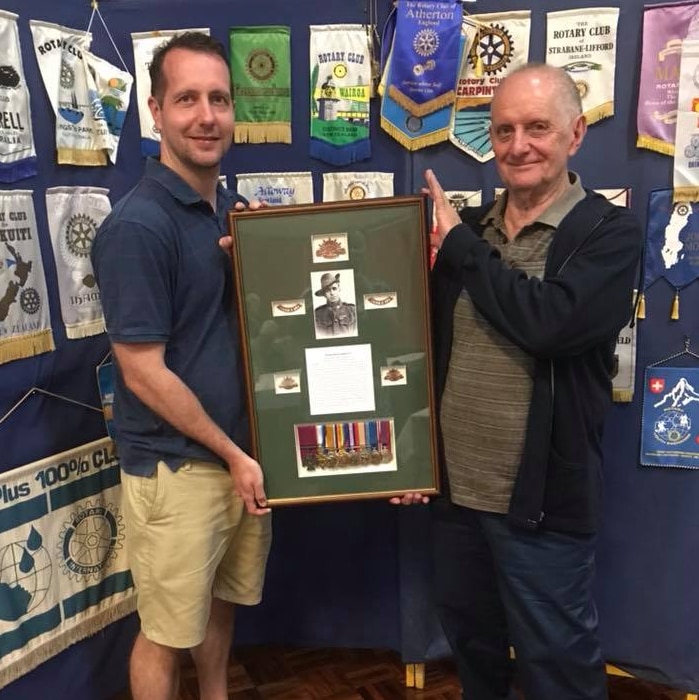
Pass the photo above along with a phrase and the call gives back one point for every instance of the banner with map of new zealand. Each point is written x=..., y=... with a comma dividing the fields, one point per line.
x=25, y=322
x=670, y=424
x=63, y=573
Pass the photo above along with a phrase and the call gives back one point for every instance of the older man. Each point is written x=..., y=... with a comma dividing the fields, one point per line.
x=530, y=293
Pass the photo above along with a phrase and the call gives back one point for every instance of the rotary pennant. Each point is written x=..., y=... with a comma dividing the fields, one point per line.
x=672, y=246
x=425, y=55
x=261, y=74
x=25, y=323
x=624, y=372
x=340, y=93
x=17, y=153
x=670, y=424
x=498, y=43
x=347, y=186
x=62, y=555
x=411, y=131
x=664, y=28
x=89, y=95
x=276, y=188
x=59, y=53
x=686, y=164
x=583, y=43
x=74, y=214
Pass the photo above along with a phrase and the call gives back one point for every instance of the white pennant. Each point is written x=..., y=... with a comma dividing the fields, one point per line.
x=686, y=164
x=59, y=52
x=17, y=152
x=496, y=44
x=109, y=92
x=583, y=43
x=276, y=188
x=74, y=214
x=624, y=375
x=362, y=185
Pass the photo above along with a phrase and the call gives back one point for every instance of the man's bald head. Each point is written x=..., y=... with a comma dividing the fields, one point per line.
x=564, y=88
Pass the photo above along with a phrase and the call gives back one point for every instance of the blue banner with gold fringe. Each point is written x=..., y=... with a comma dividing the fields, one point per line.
x=426, y=55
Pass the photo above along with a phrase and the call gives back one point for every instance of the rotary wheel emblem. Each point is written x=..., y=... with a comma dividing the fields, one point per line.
x=583, y=88
x=493, y=48
x=90, y=540
x=426, y=42
x=683, y=209
x=30, y=301
x=67, y=76
x=340, y=70
x=261, y=65
x=80, y=232
x=357, y=192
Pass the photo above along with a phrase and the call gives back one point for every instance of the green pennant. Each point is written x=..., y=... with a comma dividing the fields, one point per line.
x=261, y=74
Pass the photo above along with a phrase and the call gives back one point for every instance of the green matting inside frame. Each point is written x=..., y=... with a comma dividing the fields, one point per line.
x=379, y=248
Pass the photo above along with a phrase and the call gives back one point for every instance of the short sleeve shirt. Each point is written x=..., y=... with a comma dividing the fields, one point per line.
x=163, y=278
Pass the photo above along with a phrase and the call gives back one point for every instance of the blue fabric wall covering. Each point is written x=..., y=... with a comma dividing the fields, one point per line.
x=356, y=574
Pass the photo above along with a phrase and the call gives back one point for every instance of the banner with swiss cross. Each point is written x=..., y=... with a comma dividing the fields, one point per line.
x=670, y=423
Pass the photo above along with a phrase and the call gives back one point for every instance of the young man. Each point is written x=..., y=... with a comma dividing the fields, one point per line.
x=529, y=295
x=198, y=531
x=335, y=317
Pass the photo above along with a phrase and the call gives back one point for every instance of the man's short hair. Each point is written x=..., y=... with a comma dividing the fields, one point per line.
x=192, y=41
x=566, y=88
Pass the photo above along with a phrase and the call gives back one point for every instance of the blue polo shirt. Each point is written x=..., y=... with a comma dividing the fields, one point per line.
x=164, y=279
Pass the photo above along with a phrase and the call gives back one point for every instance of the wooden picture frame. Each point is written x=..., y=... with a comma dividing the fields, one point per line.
x=333, y=303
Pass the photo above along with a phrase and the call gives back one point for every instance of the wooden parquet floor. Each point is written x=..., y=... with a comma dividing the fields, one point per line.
x=269, y=673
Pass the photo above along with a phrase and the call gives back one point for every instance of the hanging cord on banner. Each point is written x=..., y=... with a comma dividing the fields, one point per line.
x=50, y=394
x=373, y=43
x=674, y=356
x=105, y=359
x=96, y=10
x=478, y=68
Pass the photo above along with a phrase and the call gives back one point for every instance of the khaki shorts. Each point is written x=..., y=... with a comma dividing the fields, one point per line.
x=189, y=539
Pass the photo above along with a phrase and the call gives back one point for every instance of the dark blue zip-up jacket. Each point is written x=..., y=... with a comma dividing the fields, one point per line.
x=569, y=322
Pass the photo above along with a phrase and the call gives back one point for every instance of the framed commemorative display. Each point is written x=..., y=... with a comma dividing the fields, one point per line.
x=333, y=305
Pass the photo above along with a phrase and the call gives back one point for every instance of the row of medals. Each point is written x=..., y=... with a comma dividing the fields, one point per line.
x=327, y=459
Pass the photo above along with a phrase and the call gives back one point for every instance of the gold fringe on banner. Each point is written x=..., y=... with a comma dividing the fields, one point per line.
x=28, y=345
x=641, y=309
x=75, y=156
x=415, y=144
x=600, y=112
x=675, y=308
x=462, y=103
x=421, y=110
x=622, y=395
x=75, y=331
x=264, y=132
x=654, y=144
x=60, y=642
x=685, y=194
